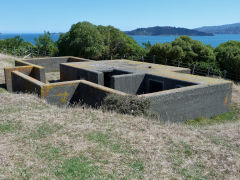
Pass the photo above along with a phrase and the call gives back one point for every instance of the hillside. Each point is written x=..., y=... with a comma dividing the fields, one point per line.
x=41, y=141
x=223, y=29
x=160, y=31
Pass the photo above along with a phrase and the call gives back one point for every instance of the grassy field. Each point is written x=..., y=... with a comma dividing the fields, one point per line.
x=40, y=141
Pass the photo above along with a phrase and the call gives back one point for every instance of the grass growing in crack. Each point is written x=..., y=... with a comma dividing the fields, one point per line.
x=43, y=130
x=78, y=168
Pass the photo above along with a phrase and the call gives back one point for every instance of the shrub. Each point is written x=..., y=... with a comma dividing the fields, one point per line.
x=127, y=104
x=97, y=42
x=228, y=57
x=45, y=43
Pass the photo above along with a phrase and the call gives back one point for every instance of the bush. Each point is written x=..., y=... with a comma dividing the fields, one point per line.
x=97, y=42
x=45, y=43
x=16, y=46
x=228, y=57
x=127, y=104
x=83, y=40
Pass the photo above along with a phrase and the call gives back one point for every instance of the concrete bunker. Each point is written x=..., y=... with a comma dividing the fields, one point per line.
x=175, y=95
x=138, y=84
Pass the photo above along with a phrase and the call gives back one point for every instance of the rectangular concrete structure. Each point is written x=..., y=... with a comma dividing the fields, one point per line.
x=175, y=95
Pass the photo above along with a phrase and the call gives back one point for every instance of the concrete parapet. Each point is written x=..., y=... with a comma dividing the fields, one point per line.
x=25, y=83
x=50, y=64
x=191, y=102
x=70, y=73
x=80, y=91
x=8, y=74
x=32, y=71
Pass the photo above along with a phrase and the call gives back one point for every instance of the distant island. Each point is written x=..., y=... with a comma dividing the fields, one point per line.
x=166, y=30
x=223, y=29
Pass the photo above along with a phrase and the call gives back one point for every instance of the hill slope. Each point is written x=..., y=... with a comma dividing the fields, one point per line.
x=223, y=29
x=40, y=141
x=158, y=31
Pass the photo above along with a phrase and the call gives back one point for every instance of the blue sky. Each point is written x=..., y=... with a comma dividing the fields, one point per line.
x=34, y=16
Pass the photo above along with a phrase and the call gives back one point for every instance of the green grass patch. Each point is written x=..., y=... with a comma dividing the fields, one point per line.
x=3, y=90
x=137, y=166
x=9, y=127
x=43, y=130
x=79, y=168
x=115, y=145
x=197, y=170
x=50, y=152
x=230, y=116
x=9, y=110
x=225, y=143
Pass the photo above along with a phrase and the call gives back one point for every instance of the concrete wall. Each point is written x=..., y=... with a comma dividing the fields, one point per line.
x=24, y=83
x=59, y=93
x=32, y=71
x=139, y=83
x=8, y=74
x=79, y=91
x=70, y=73
x=168, y=83
x=92, y=94
x=130, y=83
x=50, y=64
x=191, y=102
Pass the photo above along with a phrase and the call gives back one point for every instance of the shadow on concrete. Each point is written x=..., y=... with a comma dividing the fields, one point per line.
x=54, y=81
x=3, y=86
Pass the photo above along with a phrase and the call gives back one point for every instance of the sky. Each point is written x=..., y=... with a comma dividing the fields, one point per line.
x=37, y=16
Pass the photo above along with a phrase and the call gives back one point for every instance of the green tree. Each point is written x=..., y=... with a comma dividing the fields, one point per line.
x=46, y=44
x=83, y=40
x=228, y=57
x=117, y=43
x=194, y=51
x=97, y=42
x=161, y=51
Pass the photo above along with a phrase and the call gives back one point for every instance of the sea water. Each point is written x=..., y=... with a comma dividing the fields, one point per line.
x=209, y=40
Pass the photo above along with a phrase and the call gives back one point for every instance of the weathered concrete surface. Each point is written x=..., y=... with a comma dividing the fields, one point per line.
x=199, y=101
x=35, y=72
x=24, y=83
x=131, y=83
x=8, y=74
x=51, y=64
x=71, y=92
x=71, y=73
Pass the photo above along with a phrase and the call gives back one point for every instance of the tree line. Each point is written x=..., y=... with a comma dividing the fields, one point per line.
x=104, y=42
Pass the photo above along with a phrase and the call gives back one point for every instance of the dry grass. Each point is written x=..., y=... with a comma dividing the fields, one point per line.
x=5, y=61
x=40, y=141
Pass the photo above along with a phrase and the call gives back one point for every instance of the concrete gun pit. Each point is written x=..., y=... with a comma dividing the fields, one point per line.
x=175, y=94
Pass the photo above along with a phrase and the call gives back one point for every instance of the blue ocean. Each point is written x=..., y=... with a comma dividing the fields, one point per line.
x=209, y=40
